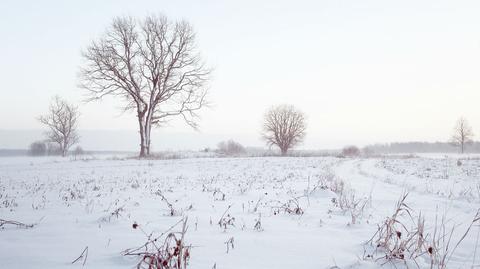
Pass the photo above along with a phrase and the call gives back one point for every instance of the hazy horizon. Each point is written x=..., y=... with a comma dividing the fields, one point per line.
x=127, y=140
x=362, y=72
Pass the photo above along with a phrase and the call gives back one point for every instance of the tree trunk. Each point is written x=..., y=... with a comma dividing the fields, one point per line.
x=284, y=152
x=65, y=150
x=143, y=145
x=145, y=127
x=62, y=148
x=148, y=129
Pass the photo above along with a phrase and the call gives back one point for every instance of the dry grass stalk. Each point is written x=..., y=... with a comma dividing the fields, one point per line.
x=230, y=243
x=173, y=211
x=258, y=224
x=441, y=249
x=83, y=257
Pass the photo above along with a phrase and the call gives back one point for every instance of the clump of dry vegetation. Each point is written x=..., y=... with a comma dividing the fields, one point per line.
x=292, y=207
x=397, y=240
x=346, y=199
x=403, y=238
x=348, y=202
x=115, y=214
x=72, y=193
x=166, y=251
x=218, y=195
x=226, y=220
x=8, y=203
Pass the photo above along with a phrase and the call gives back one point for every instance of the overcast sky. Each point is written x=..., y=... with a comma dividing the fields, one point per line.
x=362, y=71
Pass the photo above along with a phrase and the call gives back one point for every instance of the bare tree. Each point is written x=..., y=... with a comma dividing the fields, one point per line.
x=284, y=127
x=61, y=121
x=462, y=134
x=154, y=66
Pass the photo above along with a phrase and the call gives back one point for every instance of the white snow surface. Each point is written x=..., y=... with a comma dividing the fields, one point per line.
x=72, y=201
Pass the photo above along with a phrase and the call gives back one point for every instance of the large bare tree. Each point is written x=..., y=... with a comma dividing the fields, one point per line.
x=61, y=121
x=462, y=134
x=284, y=127
x=154, y=66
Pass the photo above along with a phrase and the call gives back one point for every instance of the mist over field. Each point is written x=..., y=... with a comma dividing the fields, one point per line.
x=240, y=134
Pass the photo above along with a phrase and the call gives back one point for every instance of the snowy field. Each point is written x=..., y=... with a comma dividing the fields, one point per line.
x=241, y=212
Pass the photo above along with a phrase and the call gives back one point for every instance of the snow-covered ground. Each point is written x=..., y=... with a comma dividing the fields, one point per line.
x=280, y=212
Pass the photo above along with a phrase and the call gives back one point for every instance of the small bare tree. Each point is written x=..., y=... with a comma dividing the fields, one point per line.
x=284, y=127
x=61, y=121
x=154, y=66
x=462, y=134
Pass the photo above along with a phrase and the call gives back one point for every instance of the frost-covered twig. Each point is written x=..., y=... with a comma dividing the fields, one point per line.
x=16, y=223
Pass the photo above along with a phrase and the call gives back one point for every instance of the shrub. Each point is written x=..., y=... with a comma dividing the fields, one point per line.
x=38, y=148
x=351, y=151
x=167, y=251
x=230, y=148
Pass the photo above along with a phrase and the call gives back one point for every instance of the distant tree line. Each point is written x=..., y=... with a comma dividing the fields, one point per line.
x=48, y=148
x=460, y=141
x=420, y=147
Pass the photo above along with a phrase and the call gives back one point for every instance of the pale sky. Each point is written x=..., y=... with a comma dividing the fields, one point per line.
x=362, y=71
